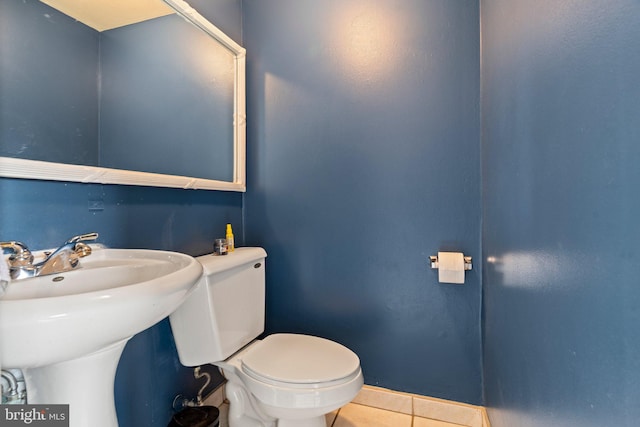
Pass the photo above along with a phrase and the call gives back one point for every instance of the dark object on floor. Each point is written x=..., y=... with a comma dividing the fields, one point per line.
x=196, y=416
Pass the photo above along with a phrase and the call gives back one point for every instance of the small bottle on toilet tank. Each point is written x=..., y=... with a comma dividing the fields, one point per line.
x=230, y=240
x=220, y=247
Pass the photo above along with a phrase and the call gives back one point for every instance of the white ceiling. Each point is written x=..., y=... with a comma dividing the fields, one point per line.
x=107, y=14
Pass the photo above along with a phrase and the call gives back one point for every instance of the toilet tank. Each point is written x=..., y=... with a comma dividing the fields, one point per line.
x=225, y=311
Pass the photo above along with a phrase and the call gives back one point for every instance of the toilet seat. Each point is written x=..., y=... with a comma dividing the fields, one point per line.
x=300, y=361
x=281, y=375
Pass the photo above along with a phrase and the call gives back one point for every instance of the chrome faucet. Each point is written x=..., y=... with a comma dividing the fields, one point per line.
x=65, y=258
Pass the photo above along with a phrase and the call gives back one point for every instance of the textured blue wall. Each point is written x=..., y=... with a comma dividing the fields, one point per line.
x=39, y=46
x=44, y=214
x=363, y=160
x=561, y=109
x=224, y=14
x=179, y=83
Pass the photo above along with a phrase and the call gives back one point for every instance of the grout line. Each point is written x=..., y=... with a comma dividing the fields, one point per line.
x=336, y=417
x=382, y=409
x=413, y=412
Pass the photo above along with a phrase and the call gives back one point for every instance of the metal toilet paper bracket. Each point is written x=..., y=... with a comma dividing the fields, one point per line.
x=467, y=262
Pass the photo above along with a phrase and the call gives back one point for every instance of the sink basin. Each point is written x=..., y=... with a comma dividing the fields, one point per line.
x=67, y=331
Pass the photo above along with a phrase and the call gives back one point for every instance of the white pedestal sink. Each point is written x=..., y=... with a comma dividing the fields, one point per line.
x=67, y=331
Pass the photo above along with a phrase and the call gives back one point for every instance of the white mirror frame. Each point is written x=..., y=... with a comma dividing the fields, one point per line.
x=35, y=169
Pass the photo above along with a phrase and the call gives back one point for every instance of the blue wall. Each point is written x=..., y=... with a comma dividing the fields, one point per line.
x=561, y=156
x=44, y=214
x=363, y=160
x=179, y=83
x=33, y=111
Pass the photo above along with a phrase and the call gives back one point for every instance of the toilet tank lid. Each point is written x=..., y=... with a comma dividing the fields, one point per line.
x=301, y=359
x=216, y=263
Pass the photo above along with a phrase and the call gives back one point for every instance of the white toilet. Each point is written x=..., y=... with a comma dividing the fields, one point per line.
x=284, y=380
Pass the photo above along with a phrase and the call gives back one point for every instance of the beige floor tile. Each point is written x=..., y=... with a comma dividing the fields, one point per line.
x=331, y=417
x=354, y=415
x=426, y=422
x=224, y=411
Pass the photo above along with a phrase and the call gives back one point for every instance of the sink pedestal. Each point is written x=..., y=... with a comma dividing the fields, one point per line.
x=85, y=383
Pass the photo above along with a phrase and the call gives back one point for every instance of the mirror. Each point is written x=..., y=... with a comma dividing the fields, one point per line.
x=157, y=102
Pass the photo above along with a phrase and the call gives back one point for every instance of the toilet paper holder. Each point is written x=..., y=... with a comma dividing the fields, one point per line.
x=467, y=262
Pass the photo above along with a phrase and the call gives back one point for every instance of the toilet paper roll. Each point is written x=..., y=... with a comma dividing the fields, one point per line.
x=451, y=267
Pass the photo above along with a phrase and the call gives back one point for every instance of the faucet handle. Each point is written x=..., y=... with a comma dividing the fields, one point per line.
x=20, y=256
x=82, y=250
x=82, y=238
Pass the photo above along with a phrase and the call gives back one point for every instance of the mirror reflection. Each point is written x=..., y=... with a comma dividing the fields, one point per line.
x=153, y=95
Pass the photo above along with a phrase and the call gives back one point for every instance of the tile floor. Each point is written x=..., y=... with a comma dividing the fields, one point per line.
x=379, y=407
x=355, y=415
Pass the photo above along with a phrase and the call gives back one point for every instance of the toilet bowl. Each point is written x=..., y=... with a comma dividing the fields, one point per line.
x=283, y=380
x=294, y=379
